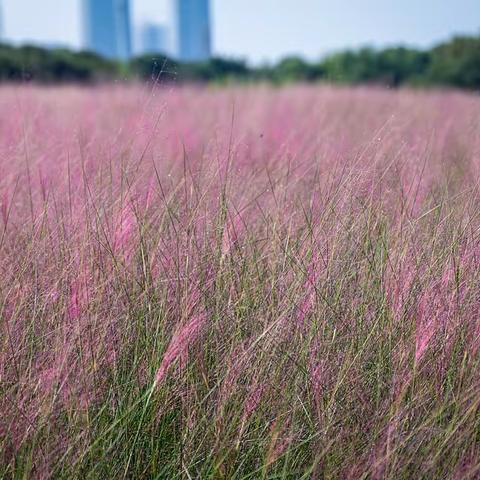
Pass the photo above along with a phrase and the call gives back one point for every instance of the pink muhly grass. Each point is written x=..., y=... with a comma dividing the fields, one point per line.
x=309, y=173
x=426, y=326
x=253, y=400
x=423, y=336
x=231, y=233
x=279, y=442
x=398, y=286
x=124, y=230
x=379, y=456
x=237, y=363
x=179, y=344
x=250, y=406
x=74, y=303
x=317, y=370
x=309, y=295
x=79, y=294
x=434, y=312
x=4, y=207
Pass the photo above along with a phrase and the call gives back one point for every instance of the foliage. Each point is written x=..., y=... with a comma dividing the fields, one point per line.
x=34, y=63
x=392, y=66
x=456, y=63
x=156, y=68
x=295, y=69
x=164, y=69
x=453, y=64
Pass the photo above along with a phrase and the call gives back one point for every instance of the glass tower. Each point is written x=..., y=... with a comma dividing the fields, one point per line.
x=153, y=38
x=107, y=28
x=192, y=30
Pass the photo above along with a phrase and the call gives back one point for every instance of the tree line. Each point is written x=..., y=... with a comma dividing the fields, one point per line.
x=455, y=63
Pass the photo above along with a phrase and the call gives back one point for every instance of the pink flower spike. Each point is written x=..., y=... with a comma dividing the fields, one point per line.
x=124, y=230
x=308, y=301
x=422, y=341
x=73, y=306
x=4, y=206
x=253, y=400
x=231, y=233
x=179, y=344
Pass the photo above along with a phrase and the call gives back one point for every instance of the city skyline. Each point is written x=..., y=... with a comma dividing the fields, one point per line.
x=107, y=30
x=271, y=29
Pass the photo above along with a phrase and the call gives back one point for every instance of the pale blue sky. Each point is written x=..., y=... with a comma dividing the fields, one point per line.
x=268, y=29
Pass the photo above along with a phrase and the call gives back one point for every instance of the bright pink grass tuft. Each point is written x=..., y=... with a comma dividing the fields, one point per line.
x=179, y=344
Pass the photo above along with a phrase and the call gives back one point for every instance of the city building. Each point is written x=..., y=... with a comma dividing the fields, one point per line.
x=192, y=37
x=153, y=38
x=1, y=23
x=107, y=28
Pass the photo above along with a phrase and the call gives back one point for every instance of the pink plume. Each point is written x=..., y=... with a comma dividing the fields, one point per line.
x=309, y=297
x=179, y=344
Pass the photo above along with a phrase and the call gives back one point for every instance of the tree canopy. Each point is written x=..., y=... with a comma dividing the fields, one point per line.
x=455, y=63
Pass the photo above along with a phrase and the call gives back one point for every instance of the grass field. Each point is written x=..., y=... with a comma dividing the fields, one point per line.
x=239, y=283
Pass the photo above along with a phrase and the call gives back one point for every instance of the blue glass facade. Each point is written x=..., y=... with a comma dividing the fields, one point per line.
x=107, y=28
x=1, y=22
x=154, y=38
x=192, y=30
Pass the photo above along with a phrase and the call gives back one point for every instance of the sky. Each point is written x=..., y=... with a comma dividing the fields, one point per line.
x=266, y=30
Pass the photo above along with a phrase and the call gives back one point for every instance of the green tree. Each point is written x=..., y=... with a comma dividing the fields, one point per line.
x=295, y=69
x=397, y=66
x=456, y=63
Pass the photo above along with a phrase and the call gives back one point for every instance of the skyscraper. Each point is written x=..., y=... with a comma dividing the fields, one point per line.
x=153, y=38
x=107, y=28
x=192, y=30
x=1, y=22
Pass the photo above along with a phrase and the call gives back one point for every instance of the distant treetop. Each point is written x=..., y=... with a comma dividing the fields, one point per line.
x=455, y=63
